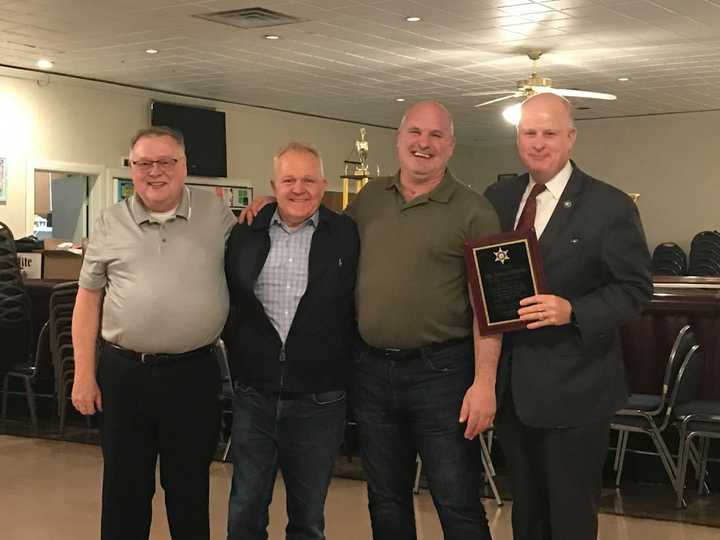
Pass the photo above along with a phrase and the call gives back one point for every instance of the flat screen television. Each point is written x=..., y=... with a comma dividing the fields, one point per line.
x=204, y=132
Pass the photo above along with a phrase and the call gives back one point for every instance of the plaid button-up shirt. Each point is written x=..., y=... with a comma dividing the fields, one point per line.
x=283, y=280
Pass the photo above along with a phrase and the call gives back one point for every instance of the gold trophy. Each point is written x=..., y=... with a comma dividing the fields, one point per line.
x=360, y=169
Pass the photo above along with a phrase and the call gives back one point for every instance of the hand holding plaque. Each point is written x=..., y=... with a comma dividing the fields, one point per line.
x=502, y=270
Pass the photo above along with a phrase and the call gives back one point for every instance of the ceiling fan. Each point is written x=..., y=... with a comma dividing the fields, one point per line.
x=536, y=85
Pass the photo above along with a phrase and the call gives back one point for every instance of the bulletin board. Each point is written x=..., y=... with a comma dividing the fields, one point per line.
x=236, y=197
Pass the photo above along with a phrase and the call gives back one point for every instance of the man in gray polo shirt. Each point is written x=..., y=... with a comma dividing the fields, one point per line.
x=154, y=270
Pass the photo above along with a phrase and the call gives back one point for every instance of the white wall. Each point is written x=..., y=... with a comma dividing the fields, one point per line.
x=83, y=127
x=673, y=161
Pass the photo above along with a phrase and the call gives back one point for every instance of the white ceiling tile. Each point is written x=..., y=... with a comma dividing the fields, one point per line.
x=363, y=52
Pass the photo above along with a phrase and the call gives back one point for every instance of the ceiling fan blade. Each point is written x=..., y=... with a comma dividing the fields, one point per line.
x=574, y=93
x=498, y=92
x=513, y=95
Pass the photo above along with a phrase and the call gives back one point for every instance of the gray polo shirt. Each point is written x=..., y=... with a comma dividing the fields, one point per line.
x=165, y=288
x=412, y=282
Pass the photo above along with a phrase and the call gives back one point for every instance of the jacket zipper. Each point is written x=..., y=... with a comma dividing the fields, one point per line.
x=282, y=367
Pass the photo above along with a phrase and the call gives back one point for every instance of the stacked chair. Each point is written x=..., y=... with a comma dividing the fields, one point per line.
x=36, y=368
x=651, y=413
x=669, y=260
x=227, y=392
x=62, y=303
x=696, y=420
x=15, y=314
x=705, y=254
x=15, y=319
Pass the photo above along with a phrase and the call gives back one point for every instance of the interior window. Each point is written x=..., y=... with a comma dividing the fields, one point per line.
x=61, y=206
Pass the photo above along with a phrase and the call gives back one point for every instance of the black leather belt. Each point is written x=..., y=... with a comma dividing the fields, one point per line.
x=417, y=352
x=159, y=358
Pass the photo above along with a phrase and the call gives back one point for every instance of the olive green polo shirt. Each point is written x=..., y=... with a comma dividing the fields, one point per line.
x=412, y=283
x=165, y=288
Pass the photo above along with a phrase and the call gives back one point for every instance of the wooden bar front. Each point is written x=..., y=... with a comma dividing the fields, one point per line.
x=647, y=342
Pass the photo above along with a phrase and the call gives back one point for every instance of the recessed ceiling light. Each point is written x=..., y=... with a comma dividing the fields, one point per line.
x=271, y=36
x=399, y=99
x=413, y=19
x=151, y=51
x=45, y=64
x=623, y=79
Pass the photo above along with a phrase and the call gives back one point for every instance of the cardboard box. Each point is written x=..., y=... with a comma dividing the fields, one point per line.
x=30, y=264
x=61, y=264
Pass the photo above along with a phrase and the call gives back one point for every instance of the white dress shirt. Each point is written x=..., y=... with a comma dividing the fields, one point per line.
x=547, y=200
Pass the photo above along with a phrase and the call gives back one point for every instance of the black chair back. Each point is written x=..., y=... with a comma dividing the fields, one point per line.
x=689, y=377
x=15, y=312
x=684, y=341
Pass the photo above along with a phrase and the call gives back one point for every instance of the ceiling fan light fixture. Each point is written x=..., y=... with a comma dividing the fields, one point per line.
x=511, y=114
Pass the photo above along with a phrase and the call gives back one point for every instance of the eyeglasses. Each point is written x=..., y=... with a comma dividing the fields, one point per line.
x=165, y=164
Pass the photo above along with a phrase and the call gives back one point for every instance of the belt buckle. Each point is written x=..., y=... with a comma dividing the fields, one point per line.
x=143, y=356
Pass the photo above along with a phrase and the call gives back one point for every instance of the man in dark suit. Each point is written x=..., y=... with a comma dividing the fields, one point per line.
x=562, y=378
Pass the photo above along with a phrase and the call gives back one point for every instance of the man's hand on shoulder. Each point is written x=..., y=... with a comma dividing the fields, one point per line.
x=248, y=214
x=478, y=409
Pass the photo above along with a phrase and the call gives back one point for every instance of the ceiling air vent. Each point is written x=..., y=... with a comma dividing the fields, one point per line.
x=253, y=17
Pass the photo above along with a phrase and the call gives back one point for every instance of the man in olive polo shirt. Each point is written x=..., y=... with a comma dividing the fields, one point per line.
x=424, y=378
x=416, y=386
x=154, y=270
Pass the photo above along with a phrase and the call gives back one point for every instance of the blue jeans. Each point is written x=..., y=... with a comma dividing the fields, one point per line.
x=408, y=406
x=300, y=434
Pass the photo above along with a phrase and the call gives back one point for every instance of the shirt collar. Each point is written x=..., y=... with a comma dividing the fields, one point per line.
x=312, y=221
x=440, y=193
x=556, y=185
x=141, y=214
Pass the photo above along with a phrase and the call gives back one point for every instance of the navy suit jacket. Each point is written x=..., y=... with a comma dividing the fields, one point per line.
x=595, y=255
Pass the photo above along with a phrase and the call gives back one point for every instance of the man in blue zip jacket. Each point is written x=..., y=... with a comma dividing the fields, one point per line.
x=291, y=276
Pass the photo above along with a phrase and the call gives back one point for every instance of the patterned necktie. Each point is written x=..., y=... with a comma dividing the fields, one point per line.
x=527, y=217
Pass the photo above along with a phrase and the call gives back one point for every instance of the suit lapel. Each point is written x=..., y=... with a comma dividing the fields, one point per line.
x=563, y=212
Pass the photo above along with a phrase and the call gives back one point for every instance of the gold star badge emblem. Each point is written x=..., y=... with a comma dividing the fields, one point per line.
x=501, y=256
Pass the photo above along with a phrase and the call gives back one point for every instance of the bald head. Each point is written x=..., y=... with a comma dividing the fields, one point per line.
x=432, y=107
x=425, y=143
x=545, y=135
x=550, y=102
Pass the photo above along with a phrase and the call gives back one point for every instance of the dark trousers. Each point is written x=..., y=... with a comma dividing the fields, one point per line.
x=171, y=410
x=409, y=406
x=556, y=476
x=300, y=434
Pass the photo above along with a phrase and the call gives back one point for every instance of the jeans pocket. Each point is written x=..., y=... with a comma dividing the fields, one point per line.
x=448, y=361
x=328, y=398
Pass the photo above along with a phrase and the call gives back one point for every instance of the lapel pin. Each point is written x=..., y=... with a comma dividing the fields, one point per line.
x=567, y=204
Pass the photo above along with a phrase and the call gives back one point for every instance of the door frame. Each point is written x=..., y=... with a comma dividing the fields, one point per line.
x=94, y=201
